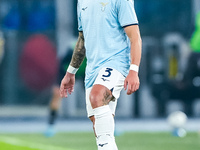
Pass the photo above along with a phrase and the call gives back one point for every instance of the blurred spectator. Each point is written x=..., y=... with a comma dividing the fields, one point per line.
x=191, y=81
x=55, y=98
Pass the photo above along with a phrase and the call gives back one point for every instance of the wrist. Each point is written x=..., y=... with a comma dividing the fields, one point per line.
x=134, y=67
x=72, y=70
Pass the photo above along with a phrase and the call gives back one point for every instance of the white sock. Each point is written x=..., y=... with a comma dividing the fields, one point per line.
x=104, y=128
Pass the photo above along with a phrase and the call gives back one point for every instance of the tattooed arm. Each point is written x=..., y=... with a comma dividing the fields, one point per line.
x=68, y=81
x=79, y=52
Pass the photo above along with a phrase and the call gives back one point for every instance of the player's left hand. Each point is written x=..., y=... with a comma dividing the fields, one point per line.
x=132, y=81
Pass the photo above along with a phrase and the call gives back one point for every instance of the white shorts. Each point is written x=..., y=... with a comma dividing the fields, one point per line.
x=113, y=80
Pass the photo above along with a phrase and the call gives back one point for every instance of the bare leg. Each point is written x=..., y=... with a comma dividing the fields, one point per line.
x=54, y=104
x=53, y=111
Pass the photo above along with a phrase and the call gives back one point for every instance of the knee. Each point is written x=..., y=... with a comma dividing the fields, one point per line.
x=95, y=99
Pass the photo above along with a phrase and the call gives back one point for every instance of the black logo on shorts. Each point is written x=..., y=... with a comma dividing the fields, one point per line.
x=105, y=79
x=103, y=144
x=84, y=8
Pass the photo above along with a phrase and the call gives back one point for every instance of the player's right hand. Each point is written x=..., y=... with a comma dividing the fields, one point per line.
x=132, y=82
x=67, y=84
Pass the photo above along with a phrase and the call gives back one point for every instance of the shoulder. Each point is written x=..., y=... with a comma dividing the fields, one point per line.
x=122, y=2
x=125, y=1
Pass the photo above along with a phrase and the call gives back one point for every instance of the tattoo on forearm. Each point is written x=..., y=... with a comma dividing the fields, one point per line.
x=79, y=52
x=107, y=98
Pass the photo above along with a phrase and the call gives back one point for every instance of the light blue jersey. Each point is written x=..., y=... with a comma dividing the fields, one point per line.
x=102, y=23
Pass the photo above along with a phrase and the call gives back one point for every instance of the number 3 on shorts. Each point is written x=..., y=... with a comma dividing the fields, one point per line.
x=108, y=70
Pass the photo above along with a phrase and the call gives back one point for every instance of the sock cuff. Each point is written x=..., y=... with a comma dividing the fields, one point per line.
x=102, y=110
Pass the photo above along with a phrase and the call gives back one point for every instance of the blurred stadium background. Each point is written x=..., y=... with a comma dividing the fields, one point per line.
x=35, y=36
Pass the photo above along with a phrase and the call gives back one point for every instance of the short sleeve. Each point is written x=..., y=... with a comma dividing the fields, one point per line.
x=126, y=13
x=79, y=17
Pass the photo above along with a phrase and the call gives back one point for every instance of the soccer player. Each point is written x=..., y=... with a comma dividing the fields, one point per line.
x=112, y=61
x=53, y=111
x=55, y=101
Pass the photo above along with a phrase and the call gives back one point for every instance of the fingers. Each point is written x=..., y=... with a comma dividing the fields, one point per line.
x=137, y=86
x=132, y=88
x=70, y=90
x=67, y=85
x=125, y=84
x=63, y=91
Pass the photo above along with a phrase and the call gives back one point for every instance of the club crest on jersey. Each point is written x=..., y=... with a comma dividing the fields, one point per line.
x=103, y=6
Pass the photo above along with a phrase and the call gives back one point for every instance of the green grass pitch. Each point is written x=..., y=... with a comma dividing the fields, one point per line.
x=86, y=141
